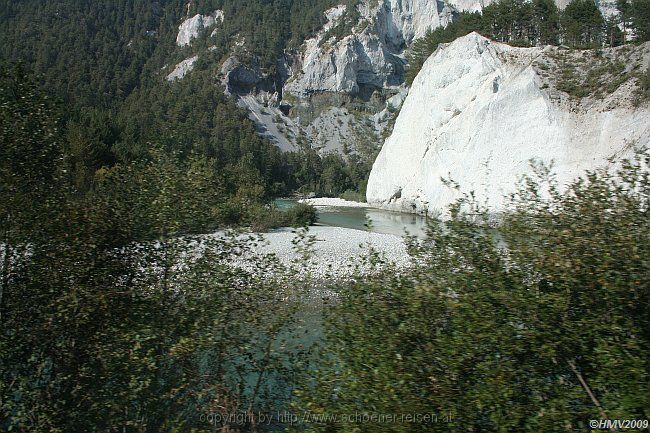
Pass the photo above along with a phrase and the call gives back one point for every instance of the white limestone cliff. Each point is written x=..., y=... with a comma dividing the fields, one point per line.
x=336, y=93
x=372, y=54
x=192, y=27
x=402, y=21
x=479, y=111
x=182, y=69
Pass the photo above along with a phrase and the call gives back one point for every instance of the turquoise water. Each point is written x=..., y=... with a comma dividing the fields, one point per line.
x=311, y=327
x=369, y=219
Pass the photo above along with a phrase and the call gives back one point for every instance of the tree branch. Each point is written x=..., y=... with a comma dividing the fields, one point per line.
x=585, y=386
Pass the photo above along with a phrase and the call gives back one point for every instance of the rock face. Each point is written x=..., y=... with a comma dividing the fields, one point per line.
x=479, y=111
x=338, y=87
x=608, y=8
x=399, y=22
x=238, y=76
x=343, y=88
x=372, y=54
x=192, y=27
x=182, y=69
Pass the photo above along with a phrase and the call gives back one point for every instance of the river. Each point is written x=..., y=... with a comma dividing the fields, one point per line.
x=367, y=219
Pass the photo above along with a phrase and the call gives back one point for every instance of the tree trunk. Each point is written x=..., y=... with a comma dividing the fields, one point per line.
x=587, y=389
x=4, y=282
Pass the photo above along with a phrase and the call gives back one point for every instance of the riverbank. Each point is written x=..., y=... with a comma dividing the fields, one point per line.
x=334, y=251
x=321, y=253
x=333, y=202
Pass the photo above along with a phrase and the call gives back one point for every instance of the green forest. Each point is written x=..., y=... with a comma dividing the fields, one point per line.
x=101, y=62
x=110, y=322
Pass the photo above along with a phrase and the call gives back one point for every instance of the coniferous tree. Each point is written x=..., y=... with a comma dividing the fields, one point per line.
x=582, y=24
x=624, y=9
x=613, y=34
x=640, y=19
x=547, y=22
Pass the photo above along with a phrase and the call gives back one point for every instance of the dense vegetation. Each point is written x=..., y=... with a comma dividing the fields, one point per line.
x=103, y=61
x=538, y=324
x=110, y=321
x=98, y=52
x=107, y=323
x=331, y=174
x=539, y=22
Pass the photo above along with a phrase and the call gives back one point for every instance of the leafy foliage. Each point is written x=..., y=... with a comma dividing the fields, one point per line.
x=110, y=320
x=539, y=324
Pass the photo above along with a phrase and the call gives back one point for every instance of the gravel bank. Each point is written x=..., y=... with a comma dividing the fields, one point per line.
x=334, y=202
x=332, y=252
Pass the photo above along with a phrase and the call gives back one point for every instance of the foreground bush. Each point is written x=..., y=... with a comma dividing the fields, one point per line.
x=541, y=324
x=268, y=218
x=301, y=215
x=112, y=316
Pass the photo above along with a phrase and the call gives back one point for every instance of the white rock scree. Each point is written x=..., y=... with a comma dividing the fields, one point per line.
x=478, y=112
x=336, y=253
x=333, y=202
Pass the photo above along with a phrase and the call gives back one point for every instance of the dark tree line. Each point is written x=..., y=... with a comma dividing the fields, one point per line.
x=540, y=22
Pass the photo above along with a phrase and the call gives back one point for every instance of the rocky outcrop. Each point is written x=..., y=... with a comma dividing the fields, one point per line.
x=238, y=77
x=371, y=55
x=339, y=86
x=182, y=69
x=399, y=22
x=192, y=27
x=480, y=111
x=259, y=93
x=356, y=61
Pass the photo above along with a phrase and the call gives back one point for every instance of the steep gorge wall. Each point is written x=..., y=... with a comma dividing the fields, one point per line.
x=361, y=63
x=372, y=54
x=479, y=111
